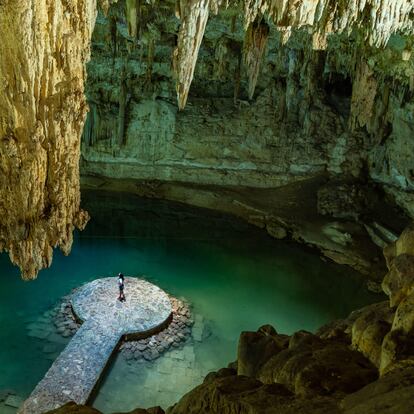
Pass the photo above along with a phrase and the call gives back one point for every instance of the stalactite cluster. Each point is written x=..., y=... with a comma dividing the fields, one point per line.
x=377, y=20
x=254, y=47
x=42, y=111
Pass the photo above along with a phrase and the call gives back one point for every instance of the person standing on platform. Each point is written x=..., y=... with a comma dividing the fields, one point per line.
x=121, y=285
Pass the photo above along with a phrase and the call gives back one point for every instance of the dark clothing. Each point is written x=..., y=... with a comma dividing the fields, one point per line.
x=121, y=289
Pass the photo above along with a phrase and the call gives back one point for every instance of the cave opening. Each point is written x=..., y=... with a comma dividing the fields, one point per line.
x=338, y=84
x=338, y=90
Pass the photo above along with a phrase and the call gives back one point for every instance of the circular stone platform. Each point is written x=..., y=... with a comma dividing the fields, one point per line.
x=147, y=307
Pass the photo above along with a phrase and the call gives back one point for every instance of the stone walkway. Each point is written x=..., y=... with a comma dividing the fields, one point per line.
x=74, y=374
x=163, y=381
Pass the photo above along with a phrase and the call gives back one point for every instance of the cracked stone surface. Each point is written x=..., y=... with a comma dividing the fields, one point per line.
x=74, y=374
x=146, y=306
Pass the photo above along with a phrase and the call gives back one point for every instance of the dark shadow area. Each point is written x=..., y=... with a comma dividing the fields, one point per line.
x=338, y=89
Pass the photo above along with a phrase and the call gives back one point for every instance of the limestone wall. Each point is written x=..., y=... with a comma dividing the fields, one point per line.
x=347, y=109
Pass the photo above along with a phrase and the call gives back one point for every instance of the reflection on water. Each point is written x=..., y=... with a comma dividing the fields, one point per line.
x=235, y=276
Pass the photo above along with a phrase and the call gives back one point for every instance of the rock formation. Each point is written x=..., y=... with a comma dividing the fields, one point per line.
x=43, y=50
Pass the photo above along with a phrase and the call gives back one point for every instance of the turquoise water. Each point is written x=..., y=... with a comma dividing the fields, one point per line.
x=235, y=276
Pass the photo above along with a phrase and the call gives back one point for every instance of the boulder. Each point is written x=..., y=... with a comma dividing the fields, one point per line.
x=72, y=408
x=370, y=328
x=223, y=392
x=404, y=316
x=314, y=366
x=391, y=394
x=399, y=281
x=403, y=245
x=276, y=230
x=399, y=255
x=397, y=346
x=256, y=348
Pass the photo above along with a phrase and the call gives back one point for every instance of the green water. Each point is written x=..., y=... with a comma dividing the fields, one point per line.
x=235, y=276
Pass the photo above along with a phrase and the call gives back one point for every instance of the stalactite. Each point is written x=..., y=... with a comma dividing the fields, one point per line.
x=406, y=55
x=122, y=105
x=194, y=16
x=150, y=59
x=42, y=75
x=382, y=18
x=106, y=4
x=88, y=128
x=220, y=58
x=237, y=80
x=216, y=4
x=379, y=19
x=113, y=33
x=254, y=46
x=363, y=96
x=131, y=10
x=233, y=23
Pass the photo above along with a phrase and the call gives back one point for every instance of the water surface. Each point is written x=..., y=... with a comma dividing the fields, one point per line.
x=235, y=276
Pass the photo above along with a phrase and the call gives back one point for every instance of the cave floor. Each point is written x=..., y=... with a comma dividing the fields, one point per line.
x=77, y=370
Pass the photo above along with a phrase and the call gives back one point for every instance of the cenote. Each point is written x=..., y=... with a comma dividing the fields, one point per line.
x=234, y=276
